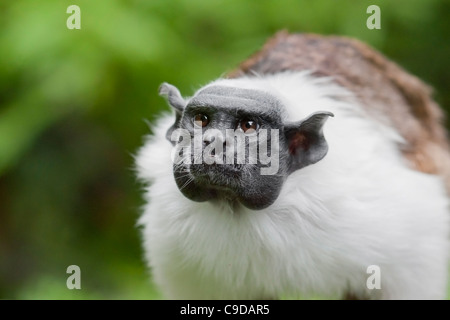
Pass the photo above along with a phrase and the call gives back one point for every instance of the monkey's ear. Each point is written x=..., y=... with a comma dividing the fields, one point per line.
x=306, y=142
x=176, y=101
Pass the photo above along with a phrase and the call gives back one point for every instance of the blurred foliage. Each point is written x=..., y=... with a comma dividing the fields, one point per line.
x=73, y=104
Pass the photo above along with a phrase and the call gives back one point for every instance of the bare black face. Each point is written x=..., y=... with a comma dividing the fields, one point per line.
x=231, y=145
x=231, y=123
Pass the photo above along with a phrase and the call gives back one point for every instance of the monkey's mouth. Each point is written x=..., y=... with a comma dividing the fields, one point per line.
x=219, y=176
x=237, y=185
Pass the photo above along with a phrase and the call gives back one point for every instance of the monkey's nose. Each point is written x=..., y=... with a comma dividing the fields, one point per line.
x=217, y=138
x=209, y=138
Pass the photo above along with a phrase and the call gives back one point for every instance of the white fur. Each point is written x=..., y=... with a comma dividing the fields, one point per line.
x=359, y=206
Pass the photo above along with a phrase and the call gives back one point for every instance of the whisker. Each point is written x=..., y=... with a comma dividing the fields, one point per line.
x=183, y=176
x=186, y=183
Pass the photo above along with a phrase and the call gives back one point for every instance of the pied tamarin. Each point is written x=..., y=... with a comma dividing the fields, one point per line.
x=314, y=165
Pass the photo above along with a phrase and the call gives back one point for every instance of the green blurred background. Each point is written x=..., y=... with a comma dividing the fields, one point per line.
x=74, y=106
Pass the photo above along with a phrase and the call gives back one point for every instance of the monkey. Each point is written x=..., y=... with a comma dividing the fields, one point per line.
x=294, y=175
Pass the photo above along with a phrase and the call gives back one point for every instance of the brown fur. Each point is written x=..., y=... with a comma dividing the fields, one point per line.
x=385, y=90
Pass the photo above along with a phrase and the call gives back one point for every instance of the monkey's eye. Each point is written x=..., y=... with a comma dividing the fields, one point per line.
x=248, y=126
x=201, y=120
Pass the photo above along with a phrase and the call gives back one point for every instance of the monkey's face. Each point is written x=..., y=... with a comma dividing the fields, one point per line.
x=231, y=144
x=228, y=148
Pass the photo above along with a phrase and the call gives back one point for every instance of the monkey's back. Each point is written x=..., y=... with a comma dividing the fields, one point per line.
x=386, y=91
